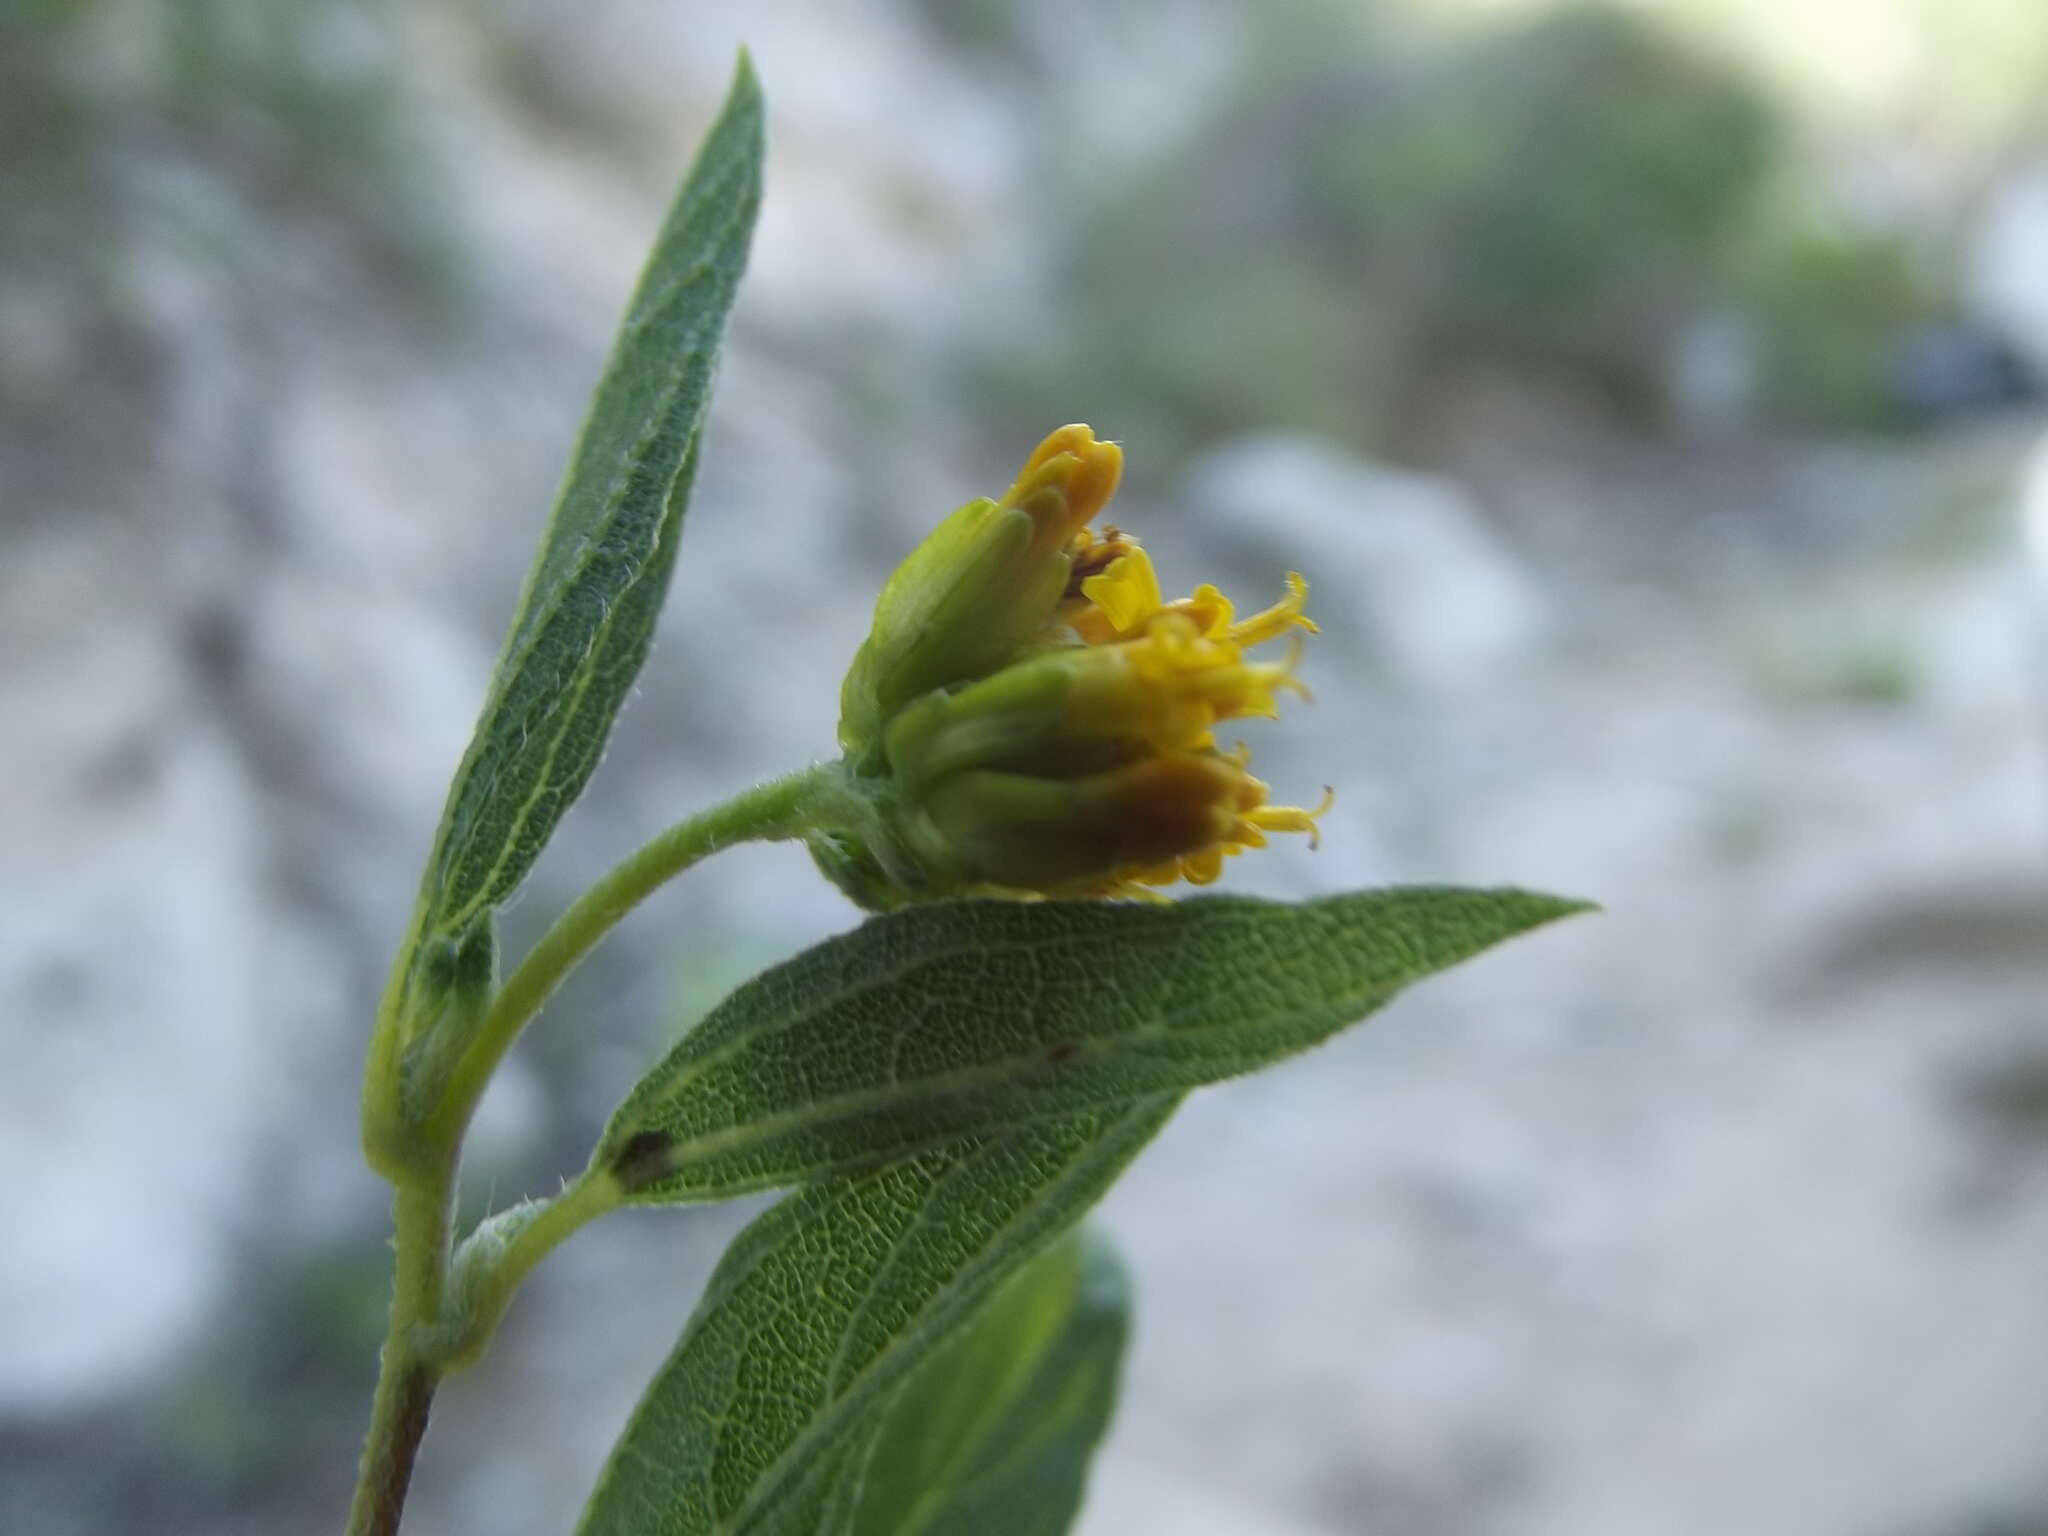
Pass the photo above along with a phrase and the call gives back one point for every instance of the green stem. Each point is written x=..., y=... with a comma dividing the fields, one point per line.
x=424, y=1341
x=583, y=1201
x=768, y=812
x=405, y=1380
x=495, y=1258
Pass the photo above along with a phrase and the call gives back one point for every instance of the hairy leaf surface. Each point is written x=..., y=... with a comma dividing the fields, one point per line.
x=822, y=1309
x=993, y=1435
x=958, y=1019
x=587, y=615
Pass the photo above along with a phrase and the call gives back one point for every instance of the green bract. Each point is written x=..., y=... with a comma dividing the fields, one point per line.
x=980, y=589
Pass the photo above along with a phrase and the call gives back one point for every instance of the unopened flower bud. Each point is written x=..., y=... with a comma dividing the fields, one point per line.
x=982, y=585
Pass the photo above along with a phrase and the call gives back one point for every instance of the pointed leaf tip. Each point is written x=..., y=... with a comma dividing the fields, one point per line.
x=598, y=582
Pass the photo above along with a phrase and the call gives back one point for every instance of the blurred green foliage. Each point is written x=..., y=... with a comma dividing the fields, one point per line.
x=1359, y=219
x=991, y=28
x=1565, y=191
x=206, y=125
x=305, y=99
x=232, y=1423
x=255, y=1430
x=1562, y=194
x=1830, y=309
x=1870, y=669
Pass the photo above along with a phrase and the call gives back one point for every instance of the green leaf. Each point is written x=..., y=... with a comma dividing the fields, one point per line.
x=821, y=1310
x=947, y=1020
x=993, y=1434
x=598, y=582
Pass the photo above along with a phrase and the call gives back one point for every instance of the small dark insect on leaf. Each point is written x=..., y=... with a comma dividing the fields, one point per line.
x=1061, y=1051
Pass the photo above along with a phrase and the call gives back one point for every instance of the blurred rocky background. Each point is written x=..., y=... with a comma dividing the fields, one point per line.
x=1651, y=394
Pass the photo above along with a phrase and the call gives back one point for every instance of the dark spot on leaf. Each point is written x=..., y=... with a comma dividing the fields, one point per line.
x=641, y=1160
x=1062, y=1051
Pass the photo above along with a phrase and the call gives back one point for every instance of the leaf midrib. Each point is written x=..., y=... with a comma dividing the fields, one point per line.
x=701, y=338
x=941, y=952
x=708, y=1146
x=759, y=1502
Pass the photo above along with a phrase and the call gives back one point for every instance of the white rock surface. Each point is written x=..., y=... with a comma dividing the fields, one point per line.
x=1407, y=556
x=2007, y=255
x=128, y=1017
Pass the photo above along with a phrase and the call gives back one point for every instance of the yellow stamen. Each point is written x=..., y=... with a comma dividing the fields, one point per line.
x=1186, y=683
x=1209, y=608
x=1127, y=591
x=1291, y=818
x=1275, y=621
x=1114, y=594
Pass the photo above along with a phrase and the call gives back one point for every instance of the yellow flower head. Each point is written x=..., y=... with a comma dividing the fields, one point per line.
x=1031, y=716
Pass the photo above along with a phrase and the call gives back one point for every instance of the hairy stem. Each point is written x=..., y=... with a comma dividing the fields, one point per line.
x=768, y=812
x=499, y=1254
x=405, y=1380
